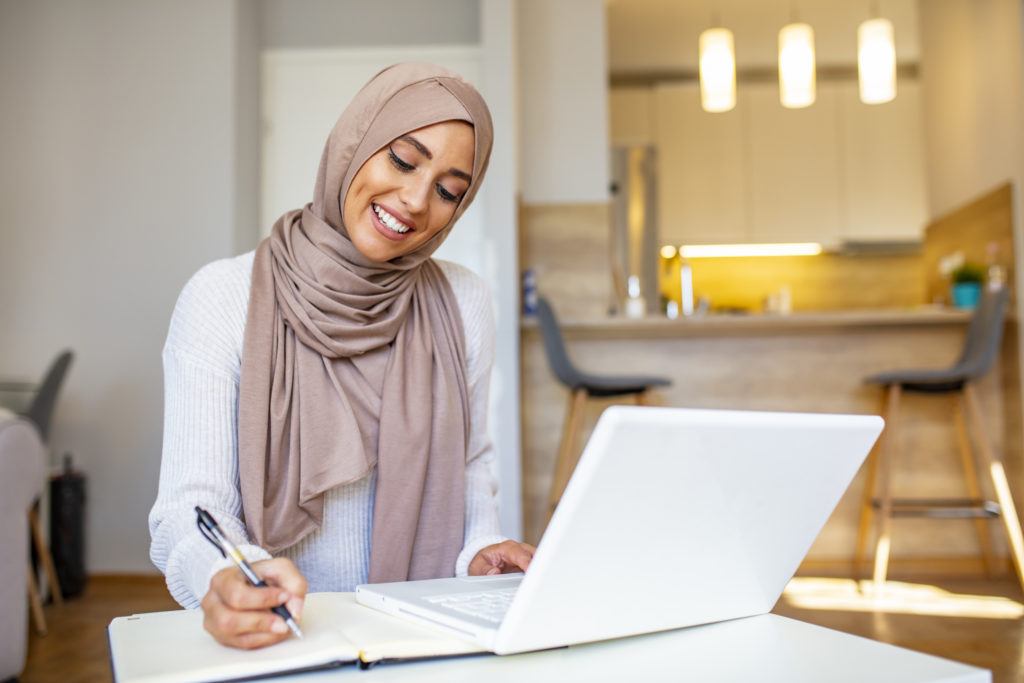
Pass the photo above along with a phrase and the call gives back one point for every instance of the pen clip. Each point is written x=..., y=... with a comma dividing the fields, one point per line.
x=208, y=534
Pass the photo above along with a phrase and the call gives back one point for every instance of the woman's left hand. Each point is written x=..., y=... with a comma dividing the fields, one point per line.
x=502, y=558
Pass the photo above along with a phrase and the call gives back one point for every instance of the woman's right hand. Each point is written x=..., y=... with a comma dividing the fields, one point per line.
x=238, y=614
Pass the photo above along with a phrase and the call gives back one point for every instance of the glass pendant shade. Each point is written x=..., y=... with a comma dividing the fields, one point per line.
x=796, y=66
x=717, y=70
x=876, y=61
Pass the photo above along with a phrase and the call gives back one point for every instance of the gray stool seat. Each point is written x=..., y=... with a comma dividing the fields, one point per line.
x=40, y=411
x=922, y=381
x=981, y=345
x=572, y=377
x=608, y=386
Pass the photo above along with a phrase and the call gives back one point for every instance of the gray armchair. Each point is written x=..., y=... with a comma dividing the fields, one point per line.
x=21, y=482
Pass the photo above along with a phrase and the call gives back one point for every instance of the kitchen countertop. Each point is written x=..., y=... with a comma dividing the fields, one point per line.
x=802, y=362
x=755, y=324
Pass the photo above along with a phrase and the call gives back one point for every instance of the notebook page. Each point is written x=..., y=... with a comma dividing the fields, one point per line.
x=166, y=647
x=381, y=636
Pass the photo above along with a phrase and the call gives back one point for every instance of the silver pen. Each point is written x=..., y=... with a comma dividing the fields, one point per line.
x=208, y=527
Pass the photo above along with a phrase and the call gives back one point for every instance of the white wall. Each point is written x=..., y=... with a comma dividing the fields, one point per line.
x=973, y=73
x=499, y=75
x=248, y=132
x=118, y=130
x=972, y=63
x=350, y=23
x=564, y=101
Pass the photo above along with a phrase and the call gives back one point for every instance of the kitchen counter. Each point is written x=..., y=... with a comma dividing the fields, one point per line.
x=805, y=362
x=720, y=324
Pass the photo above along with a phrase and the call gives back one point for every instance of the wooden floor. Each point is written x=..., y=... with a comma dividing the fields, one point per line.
x=75, y=651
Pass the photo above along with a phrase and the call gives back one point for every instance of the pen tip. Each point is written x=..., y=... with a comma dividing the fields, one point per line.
x=295, y=628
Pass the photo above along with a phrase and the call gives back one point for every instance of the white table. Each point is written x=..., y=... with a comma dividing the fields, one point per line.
x=756, y=649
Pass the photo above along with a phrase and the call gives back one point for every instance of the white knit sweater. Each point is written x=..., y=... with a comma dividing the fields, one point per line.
x=202, y=362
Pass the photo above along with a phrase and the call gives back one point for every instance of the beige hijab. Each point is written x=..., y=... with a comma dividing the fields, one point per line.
x=350, y=364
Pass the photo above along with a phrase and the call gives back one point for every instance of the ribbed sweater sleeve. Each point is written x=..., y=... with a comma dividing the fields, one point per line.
x=200, y=442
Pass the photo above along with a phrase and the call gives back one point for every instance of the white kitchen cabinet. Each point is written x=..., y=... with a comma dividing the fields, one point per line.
x=794, y=166
x=837, y=171
x=701, y=170
x=883, y=166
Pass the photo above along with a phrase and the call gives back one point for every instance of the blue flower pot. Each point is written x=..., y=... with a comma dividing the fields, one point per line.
x=966, y=294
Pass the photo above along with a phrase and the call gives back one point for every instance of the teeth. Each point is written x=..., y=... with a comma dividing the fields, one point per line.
x=390, y=221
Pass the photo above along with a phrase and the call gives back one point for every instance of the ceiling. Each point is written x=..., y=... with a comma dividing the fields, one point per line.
x=658, y=35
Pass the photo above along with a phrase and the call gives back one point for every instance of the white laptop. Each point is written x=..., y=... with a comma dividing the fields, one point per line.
x=673, y=518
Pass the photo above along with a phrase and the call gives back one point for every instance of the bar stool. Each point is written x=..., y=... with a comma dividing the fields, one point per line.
x=581, y=385
x=981, y=344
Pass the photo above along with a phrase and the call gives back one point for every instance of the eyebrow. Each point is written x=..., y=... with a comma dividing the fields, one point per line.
x=426, y=152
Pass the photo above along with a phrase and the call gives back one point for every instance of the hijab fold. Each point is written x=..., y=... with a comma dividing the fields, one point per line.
x=349, y=364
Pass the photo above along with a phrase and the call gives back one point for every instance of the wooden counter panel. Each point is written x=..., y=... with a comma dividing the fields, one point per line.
x=758, y=325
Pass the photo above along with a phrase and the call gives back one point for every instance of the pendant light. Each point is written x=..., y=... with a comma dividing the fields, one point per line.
x=876, y=61
x=796, y=66
x=717, y=70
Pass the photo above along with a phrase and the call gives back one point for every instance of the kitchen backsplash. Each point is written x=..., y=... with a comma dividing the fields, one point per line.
x=815, y=283
x=567, y=246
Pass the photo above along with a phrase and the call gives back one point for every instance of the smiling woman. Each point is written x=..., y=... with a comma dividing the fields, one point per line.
x=326, y=395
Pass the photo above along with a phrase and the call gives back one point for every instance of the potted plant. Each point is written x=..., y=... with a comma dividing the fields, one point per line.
x=967, y=279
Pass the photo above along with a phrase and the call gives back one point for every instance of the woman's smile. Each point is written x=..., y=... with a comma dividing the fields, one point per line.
x=391, y=224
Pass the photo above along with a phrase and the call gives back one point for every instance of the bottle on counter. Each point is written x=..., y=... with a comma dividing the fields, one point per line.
x=529, y=292
x=635, y=305
x=671, y=309
x=686, y=288
x=996, y=275
x=785, y=300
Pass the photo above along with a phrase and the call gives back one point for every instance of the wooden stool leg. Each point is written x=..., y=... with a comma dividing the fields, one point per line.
x=1011, y=522
x=566, y=461
x=35, y=602
x=43, y=551
x=885, y=455
x=867, y=508
x=971, y=479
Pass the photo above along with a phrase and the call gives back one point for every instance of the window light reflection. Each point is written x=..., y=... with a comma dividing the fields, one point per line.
x=897, y=597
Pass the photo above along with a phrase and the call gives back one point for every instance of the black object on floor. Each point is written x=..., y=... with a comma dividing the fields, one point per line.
x=67, y=529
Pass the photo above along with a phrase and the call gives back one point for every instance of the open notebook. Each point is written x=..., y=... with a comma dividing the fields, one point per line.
x=161, y=647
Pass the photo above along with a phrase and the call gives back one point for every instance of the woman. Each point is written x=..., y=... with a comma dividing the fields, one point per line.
x=326, y=395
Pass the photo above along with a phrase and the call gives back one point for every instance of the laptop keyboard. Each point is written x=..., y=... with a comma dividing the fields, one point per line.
x=489, y=605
